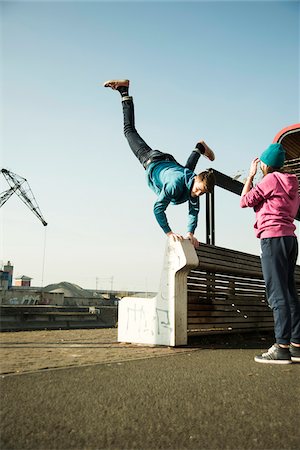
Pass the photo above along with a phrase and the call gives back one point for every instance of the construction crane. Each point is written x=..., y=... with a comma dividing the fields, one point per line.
x=20, y=186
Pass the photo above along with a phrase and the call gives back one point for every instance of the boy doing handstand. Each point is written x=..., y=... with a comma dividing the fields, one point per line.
x=172, y=182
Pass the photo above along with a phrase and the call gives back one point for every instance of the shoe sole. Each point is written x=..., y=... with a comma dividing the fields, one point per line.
x=273, y=361
x=295, y=359
x=209, y=156
x=208, y=153
x=114, y=84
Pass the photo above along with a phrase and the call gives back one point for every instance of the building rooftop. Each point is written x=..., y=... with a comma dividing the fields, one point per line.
x=23, y=277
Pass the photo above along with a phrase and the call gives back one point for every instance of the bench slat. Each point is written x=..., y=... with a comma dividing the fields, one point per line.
x=226, y=292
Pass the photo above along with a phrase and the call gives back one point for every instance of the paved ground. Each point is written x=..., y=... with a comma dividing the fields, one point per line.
x=80, y=389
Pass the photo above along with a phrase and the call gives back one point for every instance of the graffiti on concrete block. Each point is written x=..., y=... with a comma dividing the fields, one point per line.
x=145, y=322
x=163, y=320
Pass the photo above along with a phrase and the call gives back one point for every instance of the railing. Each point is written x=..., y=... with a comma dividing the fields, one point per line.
x=33, y=317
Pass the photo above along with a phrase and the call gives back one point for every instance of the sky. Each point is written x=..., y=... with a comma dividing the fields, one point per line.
x=223, y=71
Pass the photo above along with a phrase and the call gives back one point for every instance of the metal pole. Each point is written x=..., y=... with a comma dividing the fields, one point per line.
x=208, y=224
x=210, y=218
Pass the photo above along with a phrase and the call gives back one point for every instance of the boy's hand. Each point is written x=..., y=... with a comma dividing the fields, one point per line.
x=174, y=236
x=178, y=237
x=193, y=240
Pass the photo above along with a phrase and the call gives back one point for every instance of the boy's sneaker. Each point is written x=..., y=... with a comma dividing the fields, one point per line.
x=295, y=353
x=115, y=84
x=209, y=154
x=275, y=355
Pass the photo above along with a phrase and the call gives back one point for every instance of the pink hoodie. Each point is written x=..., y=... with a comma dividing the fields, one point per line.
x=276, y=202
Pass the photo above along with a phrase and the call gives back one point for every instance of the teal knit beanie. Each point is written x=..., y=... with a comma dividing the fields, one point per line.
x=273, y=156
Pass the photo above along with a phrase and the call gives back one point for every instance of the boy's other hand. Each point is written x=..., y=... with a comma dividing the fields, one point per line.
x=193, y=240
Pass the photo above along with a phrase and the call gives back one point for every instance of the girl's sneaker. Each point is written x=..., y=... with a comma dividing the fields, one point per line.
x=295, y=353
x=275, y=355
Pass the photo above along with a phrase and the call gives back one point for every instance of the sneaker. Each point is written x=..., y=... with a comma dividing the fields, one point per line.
x=275, y=355
x=295, y=353
x=209, y=154
x=115, y=84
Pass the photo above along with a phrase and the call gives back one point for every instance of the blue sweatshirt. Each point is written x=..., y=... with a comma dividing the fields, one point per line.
x=172, y=183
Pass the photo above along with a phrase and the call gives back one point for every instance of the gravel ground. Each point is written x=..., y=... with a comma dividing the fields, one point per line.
x=30, y=351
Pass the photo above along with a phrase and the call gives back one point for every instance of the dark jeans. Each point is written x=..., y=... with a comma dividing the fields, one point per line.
x=141, y=150
x=278, y=260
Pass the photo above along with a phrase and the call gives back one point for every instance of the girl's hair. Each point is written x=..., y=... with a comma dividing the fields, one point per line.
x=208, y=178
x=270, y=169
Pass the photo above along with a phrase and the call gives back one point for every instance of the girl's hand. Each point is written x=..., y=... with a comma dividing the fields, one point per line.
x=253, y=167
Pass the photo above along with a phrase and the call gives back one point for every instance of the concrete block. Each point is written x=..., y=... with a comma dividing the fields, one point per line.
x=161, y=320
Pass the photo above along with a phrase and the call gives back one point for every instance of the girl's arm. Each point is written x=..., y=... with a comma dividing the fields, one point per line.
x=252, y=172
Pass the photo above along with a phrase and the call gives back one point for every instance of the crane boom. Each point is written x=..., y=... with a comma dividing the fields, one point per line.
x=4, y=196
x=20, y=186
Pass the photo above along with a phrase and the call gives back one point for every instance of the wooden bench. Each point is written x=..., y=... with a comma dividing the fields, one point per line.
x=211, y=290
x=226, y=293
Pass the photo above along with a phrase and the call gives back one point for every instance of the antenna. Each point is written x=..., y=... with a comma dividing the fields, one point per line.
x=20, y=186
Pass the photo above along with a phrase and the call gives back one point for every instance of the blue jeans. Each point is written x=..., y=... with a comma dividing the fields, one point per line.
x=141, y=150
x=278, y=260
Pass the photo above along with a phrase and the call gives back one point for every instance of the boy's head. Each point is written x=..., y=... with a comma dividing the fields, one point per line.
x=204, y=182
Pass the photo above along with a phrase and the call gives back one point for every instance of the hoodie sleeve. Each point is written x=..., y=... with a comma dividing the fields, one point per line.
x=159, y=208
x=193, y=216
x=260, y=192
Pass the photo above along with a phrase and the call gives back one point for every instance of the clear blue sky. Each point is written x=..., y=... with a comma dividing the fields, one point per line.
x=227, y=72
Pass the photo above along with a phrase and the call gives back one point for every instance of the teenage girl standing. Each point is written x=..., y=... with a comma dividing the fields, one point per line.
x=275, y=200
